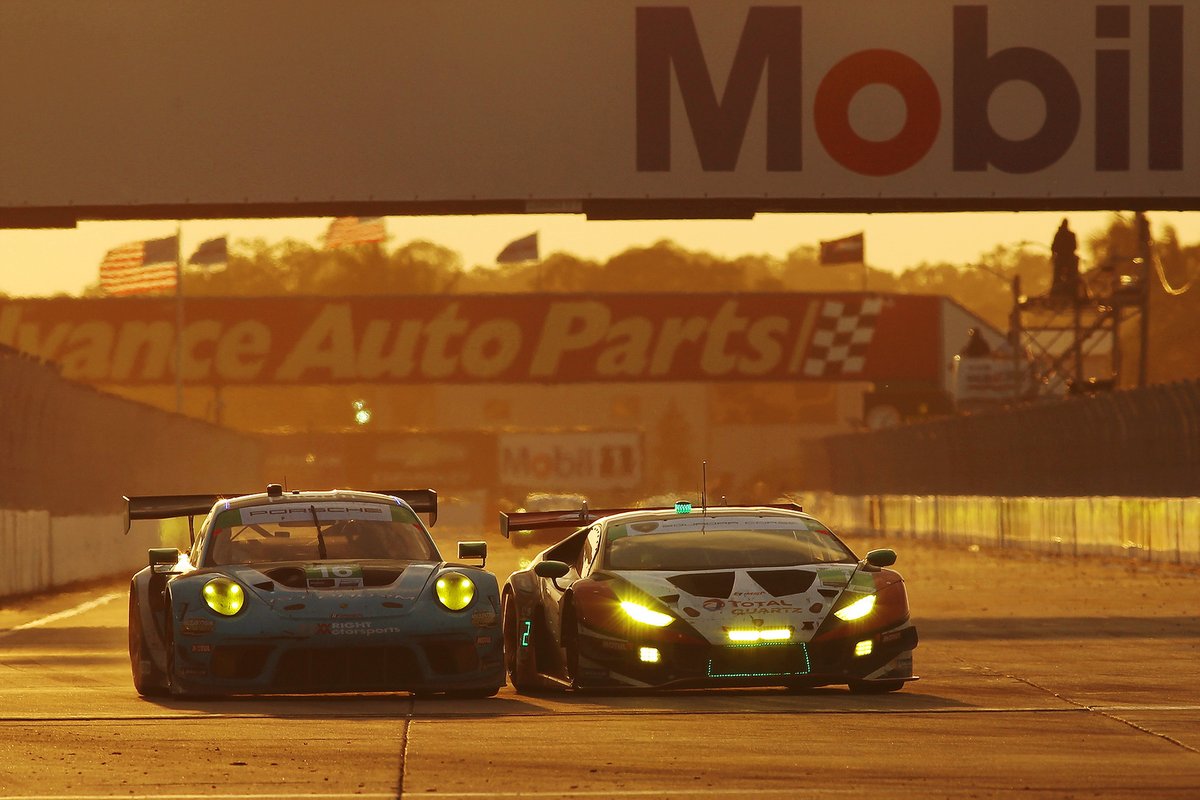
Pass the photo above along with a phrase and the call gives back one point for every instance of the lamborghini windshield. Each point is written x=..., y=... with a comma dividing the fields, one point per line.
x=694, y=543
x=318, y=531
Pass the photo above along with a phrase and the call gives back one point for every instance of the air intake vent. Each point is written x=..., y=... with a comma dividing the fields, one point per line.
x=294, y=577
x=783, y=582
x=705, y=584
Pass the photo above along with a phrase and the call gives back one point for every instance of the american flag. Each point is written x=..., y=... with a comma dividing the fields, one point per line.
x=140, y=267
x=354, y=230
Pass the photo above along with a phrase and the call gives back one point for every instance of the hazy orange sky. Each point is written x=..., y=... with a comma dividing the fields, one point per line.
x=46, y=262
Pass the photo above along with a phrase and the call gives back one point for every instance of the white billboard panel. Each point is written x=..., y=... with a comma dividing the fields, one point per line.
x=291, y=107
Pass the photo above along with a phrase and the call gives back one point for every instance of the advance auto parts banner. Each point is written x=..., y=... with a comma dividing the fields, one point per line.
x=493, y=338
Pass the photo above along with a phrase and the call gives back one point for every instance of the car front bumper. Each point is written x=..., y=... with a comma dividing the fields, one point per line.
x=610, y=663
x=386, y=656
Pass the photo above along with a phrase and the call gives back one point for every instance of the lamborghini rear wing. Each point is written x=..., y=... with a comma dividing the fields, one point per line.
x=577, y=518
x=168, y=506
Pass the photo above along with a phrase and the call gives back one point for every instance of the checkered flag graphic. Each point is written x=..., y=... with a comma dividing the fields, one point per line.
x=843, y=332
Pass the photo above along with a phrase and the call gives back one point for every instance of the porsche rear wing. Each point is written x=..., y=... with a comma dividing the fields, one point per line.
x=169, y=506
x=577, y=518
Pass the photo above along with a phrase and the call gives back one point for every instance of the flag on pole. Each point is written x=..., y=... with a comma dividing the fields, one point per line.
x=211, y=256
x=140, y=267
x=523, y=249
x=847, y=250
x=354, y=230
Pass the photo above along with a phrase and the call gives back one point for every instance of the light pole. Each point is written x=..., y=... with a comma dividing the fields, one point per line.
x=1014, y=319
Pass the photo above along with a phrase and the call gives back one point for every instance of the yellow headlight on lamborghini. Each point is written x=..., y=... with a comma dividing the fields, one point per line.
x=455, y=591
x=646, y=616
x=856, y=610
x=224, y=596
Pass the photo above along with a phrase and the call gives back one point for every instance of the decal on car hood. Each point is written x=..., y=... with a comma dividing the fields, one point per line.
x=753, y=603
x=334, y=576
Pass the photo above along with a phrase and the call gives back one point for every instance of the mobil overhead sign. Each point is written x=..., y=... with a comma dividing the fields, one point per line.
x=485, y=338
x=606, y=107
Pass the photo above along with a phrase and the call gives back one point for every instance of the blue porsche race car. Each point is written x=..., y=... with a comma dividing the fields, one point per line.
x=299, y=592
x=682, y=597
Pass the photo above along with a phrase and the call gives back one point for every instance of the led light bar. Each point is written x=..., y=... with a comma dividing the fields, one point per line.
x=750, y=635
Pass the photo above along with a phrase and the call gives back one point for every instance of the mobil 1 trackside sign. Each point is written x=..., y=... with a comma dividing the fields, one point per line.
x=547, y=338
x=571, y=459
x=611, y=108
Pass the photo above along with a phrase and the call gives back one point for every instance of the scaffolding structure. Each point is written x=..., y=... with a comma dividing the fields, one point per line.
x=1069, y=339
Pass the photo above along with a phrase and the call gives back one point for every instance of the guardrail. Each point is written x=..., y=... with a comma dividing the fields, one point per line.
x=1164, y=529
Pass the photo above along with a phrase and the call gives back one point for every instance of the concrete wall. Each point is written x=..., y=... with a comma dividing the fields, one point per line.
x=1147, y=528
x=24, y=551
x=39, y=552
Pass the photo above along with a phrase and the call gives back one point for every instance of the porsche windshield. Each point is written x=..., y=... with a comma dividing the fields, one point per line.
x=733, y=543
x=289, y=532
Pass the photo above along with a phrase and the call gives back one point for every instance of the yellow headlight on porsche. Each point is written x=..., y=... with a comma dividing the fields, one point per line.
x=455, y=591
x=224, y=596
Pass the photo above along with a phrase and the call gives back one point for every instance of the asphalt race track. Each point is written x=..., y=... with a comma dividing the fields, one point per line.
x=1041, y=678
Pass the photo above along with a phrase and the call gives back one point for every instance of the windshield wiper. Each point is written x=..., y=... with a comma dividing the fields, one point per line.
x=321, y=552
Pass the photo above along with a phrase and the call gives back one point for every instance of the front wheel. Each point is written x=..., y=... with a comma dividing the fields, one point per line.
x=148, y=679
x=570, y=640
x=173, y=685
x=520, y=661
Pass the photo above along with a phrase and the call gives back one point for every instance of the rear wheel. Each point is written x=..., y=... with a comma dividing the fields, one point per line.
x=148, y=680
x=875, y=687
x=519, y=659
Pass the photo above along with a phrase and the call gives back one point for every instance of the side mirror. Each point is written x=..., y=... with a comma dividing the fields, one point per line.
x=473, y=550
x=550, y=569
x=881, y=558
x=163, y=560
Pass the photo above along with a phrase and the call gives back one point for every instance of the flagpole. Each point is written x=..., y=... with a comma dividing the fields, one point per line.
x=178, y=317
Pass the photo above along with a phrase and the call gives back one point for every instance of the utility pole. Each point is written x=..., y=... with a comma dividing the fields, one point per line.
x=178, y=317
x=1014, y=337
x=1141, y=227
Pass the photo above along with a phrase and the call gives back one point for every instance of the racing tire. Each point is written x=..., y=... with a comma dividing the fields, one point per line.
x=570, y=640
x=172, y=683
x=148, y=679
x=875, y=687
x=520, y=663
